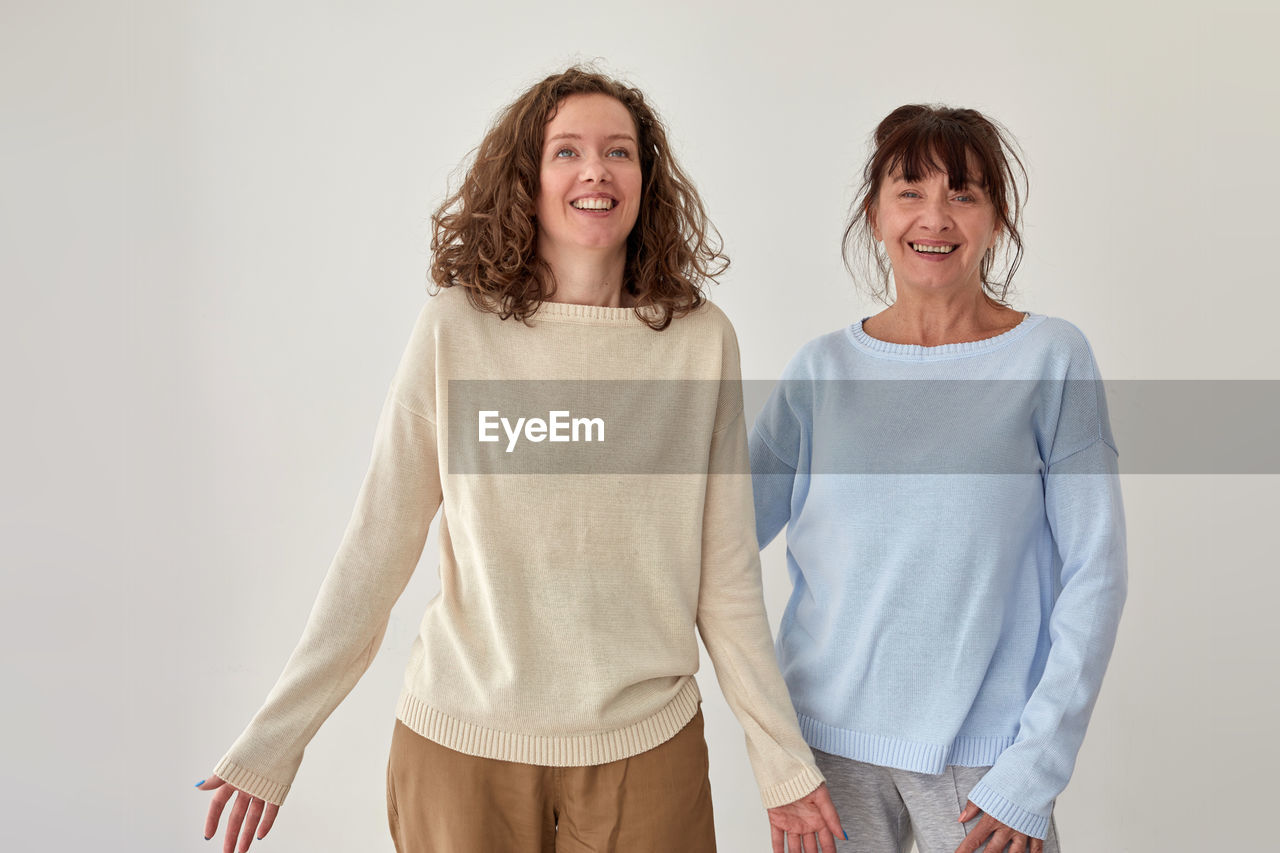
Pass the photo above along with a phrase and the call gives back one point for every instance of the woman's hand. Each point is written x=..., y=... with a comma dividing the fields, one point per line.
x=806, y=823
x=250, y=817
x=999, y=833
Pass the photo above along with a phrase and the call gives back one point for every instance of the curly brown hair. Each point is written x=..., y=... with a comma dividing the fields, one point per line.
x=921, y=140
x=485, y=238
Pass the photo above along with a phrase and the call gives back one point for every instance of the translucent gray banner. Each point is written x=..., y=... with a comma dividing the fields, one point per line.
x=645, y=427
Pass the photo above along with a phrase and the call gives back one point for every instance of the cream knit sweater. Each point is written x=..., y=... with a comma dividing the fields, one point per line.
x=563, y=633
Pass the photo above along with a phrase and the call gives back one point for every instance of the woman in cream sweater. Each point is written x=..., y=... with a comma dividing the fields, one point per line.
x=588, y=524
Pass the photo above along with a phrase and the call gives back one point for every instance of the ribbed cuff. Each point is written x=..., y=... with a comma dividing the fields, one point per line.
x=1008, y=813
x=251, y=783
x=791, y=790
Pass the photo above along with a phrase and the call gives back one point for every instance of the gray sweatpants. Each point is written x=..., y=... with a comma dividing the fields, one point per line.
x=884, y=810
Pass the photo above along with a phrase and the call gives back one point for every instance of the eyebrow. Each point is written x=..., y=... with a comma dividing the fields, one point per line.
x=611, y=136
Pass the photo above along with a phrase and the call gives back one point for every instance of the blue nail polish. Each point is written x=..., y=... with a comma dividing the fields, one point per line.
x=846, y=835
x=201, y=782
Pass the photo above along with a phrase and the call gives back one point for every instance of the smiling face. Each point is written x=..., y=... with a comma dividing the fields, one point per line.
x=935, y=236
x=590, y=179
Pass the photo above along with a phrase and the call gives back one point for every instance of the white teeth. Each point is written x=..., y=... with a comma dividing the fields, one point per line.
x=937, y=250
x=593, y=204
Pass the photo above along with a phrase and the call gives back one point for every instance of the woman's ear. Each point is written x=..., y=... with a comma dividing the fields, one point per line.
x=875, y=225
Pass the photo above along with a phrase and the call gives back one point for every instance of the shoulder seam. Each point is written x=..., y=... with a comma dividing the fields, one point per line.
x=416, y=414
x=1098, y=440
x=768, y=444
x=738, y=413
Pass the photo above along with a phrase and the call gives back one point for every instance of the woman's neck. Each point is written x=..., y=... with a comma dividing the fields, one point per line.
x=940, y=319
x=590, y=278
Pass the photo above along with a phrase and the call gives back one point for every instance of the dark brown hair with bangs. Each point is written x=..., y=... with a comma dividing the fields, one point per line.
x=972, y=150
x=485, y=237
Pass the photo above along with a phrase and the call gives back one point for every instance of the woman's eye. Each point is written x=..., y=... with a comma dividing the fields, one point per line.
x=965, y=197
x=564, y=153
x=910, y=194
x=619, y=152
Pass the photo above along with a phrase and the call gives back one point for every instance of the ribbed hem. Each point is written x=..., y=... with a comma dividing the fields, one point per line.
x=1008, y=813
x=546, y=750
x=792, y=789
x=251, y=783
x=902, y=754
x=912, y=352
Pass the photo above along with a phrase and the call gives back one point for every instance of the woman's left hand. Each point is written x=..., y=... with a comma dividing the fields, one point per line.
x=251, y=817
x=803, y=825
x=1001, y=835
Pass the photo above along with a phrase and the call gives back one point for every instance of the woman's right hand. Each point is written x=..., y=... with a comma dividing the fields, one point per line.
x=250, y=816
x=807, y=824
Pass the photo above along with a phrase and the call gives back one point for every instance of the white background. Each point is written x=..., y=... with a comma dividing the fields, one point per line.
x=213, y=231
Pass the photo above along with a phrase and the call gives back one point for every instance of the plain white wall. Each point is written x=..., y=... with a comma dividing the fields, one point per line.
x=213, y=224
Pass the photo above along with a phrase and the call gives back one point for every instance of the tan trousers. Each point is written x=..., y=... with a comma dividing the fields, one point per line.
x=442, y=801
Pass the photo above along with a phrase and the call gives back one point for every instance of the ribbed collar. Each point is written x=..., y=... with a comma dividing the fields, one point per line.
x=594, y=314
x=914, y=352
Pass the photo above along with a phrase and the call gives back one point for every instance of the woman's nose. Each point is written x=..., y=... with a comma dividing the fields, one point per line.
x=936, y=215
x=594, y=169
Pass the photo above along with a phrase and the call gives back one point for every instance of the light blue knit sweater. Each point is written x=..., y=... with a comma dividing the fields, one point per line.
x=955, y=538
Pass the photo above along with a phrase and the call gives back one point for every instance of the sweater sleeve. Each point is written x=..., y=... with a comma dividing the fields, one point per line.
x=378, y=553
x=772, y=479
x=731, y=612
x=1082, y=501
x=775, y=447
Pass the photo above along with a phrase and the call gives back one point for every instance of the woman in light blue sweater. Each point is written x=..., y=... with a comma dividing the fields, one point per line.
x=955, y=537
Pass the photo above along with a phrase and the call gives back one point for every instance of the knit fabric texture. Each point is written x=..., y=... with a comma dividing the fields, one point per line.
x=955, y=539
x=564, y=629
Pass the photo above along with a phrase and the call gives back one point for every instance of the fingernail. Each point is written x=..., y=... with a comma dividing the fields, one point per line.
x=207, y=837
x=201, y=782
x=845, y=834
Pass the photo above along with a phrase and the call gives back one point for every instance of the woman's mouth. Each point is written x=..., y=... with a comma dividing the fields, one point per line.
x=926, y=249
x=593, y=204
